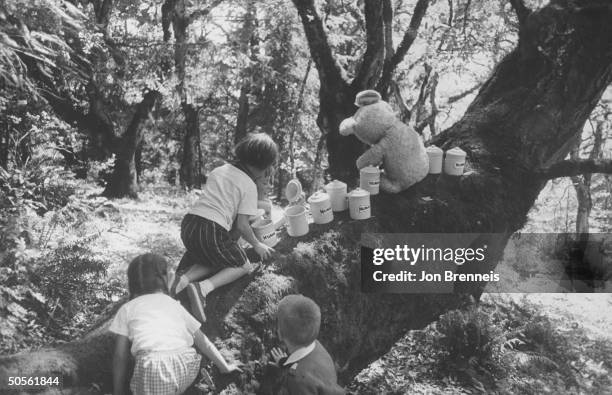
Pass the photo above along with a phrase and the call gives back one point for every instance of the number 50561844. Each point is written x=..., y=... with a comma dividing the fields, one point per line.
x=33, y=382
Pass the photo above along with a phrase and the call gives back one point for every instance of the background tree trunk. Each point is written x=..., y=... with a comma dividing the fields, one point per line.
x=191, y=173
x=336, y=95
x=582, y=183
x=124, y=181
x=175, y=14
x=247, y=42
x=242, y=117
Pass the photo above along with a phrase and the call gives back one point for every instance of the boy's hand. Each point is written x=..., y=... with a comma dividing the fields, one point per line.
x=263, y=250
x=277, y=354
x=231, y=367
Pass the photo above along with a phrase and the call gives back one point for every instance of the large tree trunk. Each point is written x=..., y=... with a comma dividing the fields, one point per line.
x=537, y=100
x=247, y=41
x=242, y=116
x=124, y=182
x=582, y=183
x=336, y=94
x=175, y=13
x=191, y=167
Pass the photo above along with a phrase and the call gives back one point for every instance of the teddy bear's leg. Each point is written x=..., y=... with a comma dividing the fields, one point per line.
x=389, y=186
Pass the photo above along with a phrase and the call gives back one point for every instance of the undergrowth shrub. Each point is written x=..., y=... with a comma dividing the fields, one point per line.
x=468, y=336
x=54, y=296
x=40, y=187
x=508, y=345
x=49, y=292
x=71, y=278
x=101, y=172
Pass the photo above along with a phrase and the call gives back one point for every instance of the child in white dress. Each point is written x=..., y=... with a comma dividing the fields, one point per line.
x=160, y=335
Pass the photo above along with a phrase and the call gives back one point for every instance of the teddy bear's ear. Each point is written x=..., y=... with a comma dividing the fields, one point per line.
x=366, y=97
x=347, y=126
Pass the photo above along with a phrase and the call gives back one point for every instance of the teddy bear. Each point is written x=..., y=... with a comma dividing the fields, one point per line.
x=394, y=144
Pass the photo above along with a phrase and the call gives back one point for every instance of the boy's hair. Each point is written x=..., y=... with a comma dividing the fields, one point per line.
x=257, y=150
x=147, y=274
x=299, y=319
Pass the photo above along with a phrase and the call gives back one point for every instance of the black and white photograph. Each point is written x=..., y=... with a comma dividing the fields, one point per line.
x=306, y=197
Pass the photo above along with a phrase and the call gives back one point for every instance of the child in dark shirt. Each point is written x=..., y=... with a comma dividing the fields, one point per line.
x=309, y=369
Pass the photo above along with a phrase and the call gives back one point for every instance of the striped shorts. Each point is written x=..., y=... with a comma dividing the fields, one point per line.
x=165, y=373
x=209, y=244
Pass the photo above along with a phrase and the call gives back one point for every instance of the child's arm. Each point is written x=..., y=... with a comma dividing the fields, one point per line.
x=121, y=359
x=266, y=205
x=242, y=223
x=211, y=352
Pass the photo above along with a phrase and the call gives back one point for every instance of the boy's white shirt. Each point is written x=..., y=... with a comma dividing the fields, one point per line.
x=155, y=323
x=228, y=192
x=299, y=354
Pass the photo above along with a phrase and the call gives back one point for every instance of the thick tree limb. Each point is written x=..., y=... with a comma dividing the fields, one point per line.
x=466, y=14
x=329, y=71
x=582, y=186
x=433, y=105
x=415, y=22
x=369, y=71
x=399, y=100
x=522, y=12
x=167, y=10
x=124, y=181
x=418, y=109
x=574, y=167
x=102, y=10
x=388, y=28
x=463, y=94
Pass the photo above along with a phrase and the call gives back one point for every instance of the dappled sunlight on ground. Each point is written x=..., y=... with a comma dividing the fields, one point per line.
x=132, y=227
x=575, y=310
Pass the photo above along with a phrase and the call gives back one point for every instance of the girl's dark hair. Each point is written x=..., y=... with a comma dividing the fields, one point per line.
x=147, y=274
x=257, y=150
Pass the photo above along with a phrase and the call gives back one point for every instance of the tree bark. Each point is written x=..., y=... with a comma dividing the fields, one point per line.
x=536, y=100
x=247, y=42
x=191, y=169
x=336, y=95
x=174, y=12
x=394, y=60
x=124, y=181
x=242, y=117
x=582, y=186
x=574, y=167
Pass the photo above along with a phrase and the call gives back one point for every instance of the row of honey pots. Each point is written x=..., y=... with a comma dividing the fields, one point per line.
x=335, y=197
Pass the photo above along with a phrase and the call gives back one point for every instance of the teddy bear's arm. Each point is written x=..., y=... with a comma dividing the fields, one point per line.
x=372, y=157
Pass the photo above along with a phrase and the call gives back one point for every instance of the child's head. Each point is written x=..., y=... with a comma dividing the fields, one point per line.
x=298, y=319
x=257, y=150
x=147, y=274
